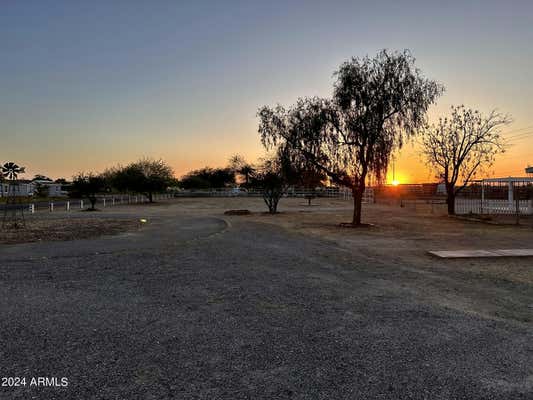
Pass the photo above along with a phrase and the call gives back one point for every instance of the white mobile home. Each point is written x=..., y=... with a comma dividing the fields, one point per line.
x=29, y=188
x=20, y=188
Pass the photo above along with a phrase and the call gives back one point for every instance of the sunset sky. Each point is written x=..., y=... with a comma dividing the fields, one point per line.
x=86, y=85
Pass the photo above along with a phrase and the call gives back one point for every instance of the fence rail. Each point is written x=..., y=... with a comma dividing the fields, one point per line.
x=336, y=193
x=79, y=204
x=464, y=205
x=114, y=200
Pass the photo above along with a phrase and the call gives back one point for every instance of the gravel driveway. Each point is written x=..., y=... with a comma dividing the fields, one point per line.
x=201, y=307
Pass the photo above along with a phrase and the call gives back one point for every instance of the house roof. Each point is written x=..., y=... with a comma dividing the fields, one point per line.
x=44, y=181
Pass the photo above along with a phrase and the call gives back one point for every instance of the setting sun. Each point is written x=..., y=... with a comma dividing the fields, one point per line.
x=395, y=182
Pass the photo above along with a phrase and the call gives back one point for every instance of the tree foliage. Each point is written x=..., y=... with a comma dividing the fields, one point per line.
x=207, y=178
x=88, y=185
x=242, y=169
x=40, y=177
x=145, y=176
x=461, y=145
x=273, y=177
x=377, y=104
x=41, y=190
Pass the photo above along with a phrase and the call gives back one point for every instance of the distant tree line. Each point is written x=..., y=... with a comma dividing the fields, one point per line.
x=145, y=176
x=207, y=178
x=271, y=176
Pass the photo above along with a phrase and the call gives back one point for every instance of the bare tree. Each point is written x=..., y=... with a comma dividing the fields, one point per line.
x=460, y=146
x=377, y=103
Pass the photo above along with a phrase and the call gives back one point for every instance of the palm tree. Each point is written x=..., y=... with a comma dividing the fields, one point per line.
x=247, y=171
x=10, y=170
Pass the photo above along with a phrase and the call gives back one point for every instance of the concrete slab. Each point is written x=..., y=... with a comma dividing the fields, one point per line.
x=483, y=253
x=516, y=252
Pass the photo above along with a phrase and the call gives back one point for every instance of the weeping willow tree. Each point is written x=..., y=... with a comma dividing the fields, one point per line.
x=377, y=104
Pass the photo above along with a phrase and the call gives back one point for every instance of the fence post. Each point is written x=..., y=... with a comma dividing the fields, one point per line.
x=510, y=193
x=81, y=204
x=104, y=201
x=51, y=206
x=68, y=205
x=32, y=208
x=482, y=195
x=517, y=200
x=113, y=201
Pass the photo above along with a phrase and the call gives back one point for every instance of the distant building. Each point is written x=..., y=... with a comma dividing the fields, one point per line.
x=54, y=189
x=25, y=187
x=20, y=188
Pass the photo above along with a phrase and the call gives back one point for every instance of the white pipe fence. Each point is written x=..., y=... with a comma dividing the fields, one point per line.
x=465, y=205
x=113, y=200
x=105, y=201
x=337, y=193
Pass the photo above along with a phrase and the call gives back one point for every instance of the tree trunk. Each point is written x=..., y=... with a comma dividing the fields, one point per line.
x=357, y=194
x=450, y=197
x=450, y=200
x=150, y=197
x=275, y=205
x=271, y=200
x=93, y=202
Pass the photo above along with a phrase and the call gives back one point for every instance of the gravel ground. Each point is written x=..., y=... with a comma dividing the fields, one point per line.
x=197, y=305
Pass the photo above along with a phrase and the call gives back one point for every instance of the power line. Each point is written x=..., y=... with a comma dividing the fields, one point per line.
x=520, y=129
x=522, y=135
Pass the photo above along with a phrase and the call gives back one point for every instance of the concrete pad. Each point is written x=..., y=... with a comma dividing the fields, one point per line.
x=464, y=253
x=483, y=253
x=516, y=252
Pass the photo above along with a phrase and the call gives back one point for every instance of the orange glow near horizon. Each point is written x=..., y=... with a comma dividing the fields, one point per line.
x=189, y=93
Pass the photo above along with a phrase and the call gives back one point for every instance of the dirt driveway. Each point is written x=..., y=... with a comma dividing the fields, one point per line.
x=198, y=305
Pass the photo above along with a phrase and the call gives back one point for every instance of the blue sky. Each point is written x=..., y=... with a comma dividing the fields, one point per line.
x=86, y=85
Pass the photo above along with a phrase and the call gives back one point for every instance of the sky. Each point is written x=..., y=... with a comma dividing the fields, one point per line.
x=90, y=84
